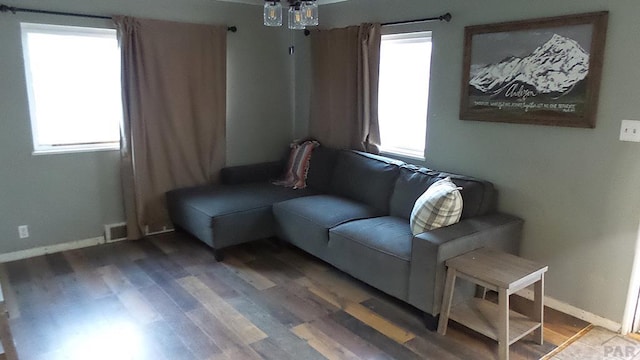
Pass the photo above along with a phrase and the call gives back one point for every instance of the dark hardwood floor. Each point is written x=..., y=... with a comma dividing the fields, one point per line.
x=166, y=298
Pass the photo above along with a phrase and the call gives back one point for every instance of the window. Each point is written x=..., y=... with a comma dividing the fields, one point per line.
x=73, y=83
x=405, y=62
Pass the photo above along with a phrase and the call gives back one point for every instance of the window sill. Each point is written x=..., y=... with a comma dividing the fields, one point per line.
x=71, y=150
x=403, y=154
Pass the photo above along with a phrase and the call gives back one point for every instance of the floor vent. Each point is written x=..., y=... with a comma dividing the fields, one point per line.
x=115, y=232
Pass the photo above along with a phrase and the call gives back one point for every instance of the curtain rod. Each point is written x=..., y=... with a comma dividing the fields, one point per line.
x=445, y=17
x=13, y=10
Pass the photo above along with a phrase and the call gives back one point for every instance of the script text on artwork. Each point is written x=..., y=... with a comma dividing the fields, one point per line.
x=526, y=106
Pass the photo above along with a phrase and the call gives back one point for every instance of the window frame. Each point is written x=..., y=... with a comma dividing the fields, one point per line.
x=56, y=29
x=408, y=33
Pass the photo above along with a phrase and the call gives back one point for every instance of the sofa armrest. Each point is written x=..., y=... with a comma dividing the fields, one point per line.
x=431, y=249
x=252, y=173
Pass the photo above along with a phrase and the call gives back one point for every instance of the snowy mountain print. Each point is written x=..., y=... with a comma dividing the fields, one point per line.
x=553, y=69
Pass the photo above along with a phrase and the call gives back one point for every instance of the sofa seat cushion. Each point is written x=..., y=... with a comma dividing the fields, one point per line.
x=305, y=222
x=376, y=251
x=215, y=201
x=227, y=215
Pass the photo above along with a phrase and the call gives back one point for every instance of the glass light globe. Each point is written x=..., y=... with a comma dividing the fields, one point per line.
x=295, y=18
x=272, y=13
x=309, y=13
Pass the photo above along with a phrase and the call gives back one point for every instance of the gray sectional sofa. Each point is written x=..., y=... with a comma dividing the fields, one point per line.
x=354, y=214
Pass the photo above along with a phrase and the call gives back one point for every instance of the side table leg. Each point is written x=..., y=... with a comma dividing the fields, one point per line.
x=538, y=309
x=447, y=297
x=503, y=324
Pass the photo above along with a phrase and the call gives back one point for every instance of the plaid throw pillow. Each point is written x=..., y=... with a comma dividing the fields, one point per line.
x=440, y=205
x=298, y=166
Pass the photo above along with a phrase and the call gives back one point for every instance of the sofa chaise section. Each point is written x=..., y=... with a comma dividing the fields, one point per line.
x=236, y=212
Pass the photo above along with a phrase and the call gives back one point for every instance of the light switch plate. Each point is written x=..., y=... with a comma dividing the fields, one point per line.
x=630, y=130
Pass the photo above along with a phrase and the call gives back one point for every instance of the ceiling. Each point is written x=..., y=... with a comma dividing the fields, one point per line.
x=261, y=2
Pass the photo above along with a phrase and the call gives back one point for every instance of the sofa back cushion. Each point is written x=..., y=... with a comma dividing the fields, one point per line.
x=323, y=160
x=478, y=196
x=411, y=183
x=365, y=177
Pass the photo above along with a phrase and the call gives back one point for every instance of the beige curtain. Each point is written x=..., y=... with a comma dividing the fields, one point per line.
x=174, y=99
x=344, y=89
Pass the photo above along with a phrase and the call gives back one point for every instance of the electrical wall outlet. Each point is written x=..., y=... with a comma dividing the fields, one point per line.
x=630, y=130
x=23, y=231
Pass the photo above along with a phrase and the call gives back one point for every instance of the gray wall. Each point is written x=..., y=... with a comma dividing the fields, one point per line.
x=70, y=197
x=577, y=189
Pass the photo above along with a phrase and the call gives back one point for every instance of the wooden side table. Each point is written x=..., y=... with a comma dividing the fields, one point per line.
x=506, y=274
x=5, y=332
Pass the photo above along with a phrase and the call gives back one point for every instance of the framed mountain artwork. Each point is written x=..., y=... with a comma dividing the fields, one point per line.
x=542, y=71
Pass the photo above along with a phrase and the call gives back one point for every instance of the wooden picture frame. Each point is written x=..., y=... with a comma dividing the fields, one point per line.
x=542, y=71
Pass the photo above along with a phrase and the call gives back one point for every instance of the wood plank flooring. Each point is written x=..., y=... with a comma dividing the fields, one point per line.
x=166, y=297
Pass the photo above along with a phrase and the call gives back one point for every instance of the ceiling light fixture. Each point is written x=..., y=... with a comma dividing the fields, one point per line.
x=300, y=15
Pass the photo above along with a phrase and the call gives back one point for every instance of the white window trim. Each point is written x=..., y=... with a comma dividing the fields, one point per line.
x=76, y=148
x=400, y=33
x=408, y=35
x=39, y=149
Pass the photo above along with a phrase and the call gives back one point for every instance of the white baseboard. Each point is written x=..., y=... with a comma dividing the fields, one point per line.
x=163, y=231
x=574, y=311
x=50, y=249
x=78, y=244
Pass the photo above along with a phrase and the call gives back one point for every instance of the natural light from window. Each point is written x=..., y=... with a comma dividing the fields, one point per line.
x=73, y=82
x=405, y=62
